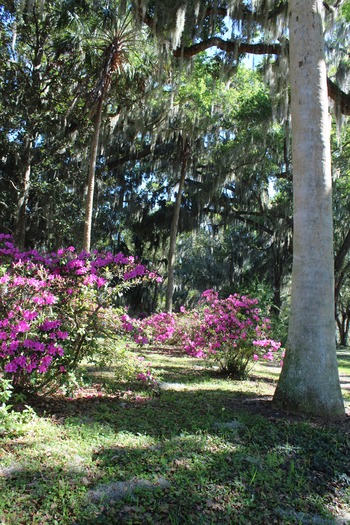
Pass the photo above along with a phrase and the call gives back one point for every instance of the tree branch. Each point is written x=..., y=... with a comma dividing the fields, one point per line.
x=160, y=149
x=339, y=97
x=241, y=216
x=231, y=46
x=239, y=48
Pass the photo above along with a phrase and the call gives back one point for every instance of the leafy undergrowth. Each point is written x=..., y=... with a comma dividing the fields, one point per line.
x=201, y=449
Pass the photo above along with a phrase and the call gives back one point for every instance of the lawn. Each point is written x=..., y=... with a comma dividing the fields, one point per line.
x=201, y=449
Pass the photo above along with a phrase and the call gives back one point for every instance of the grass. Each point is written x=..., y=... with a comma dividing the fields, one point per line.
x=207, y=450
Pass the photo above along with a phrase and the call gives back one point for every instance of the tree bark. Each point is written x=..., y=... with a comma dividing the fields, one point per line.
x=340, y=271
x=309, y=381
x=343, y=323
x=91, y=176
x=277, y=279
x=173, y=231
x=21, y=220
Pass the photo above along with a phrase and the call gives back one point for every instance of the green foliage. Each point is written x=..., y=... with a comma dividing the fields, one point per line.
x=50, y=60
x=6, y=388
x=341, y=207
x=116, y=353
x=42, y=109
x=10, y=420
x=206, y=447
x=345, y=10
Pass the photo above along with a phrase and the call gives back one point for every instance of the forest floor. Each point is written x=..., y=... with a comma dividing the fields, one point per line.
x=199, y=450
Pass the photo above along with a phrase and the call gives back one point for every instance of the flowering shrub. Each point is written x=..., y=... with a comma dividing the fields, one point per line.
x=231, y=332
x=159, y=328
x=53, y=307
x=145, y=374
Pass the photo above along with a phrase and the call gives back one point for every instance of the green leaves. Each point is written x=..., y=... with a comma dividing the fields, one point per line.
x=345, y=10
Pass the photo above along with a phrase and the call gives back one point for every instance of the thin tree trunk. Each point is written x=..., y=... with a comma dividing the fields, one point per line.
x=339, y=269
x=21, y=220
x=277, y=277
x=91, y=177
x=309, y=381
x=342, y=319
x=173, y=231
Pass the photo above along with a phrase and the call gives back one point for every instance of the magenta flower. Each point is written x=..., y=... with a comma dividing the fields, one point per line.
x=30, y=315
x=19, y=281
x=13, y=346
x=11, y=367
x=61, y=335
x=49, y=325
x=31, y=366
x=45, y=363
x=22, y=326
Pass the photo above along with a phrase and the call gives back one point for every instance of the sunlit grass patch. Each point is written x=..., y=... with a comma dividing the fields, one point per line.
x=203, y=449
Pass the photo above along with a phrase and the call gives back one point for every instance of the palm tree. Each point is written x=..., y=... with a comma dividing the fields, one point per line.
x=118, y=45
x=309, y=381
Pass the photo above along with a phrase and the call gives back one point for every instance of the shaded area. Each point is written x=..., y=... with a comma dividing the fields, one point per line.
x=210, y=453
x=265, y=469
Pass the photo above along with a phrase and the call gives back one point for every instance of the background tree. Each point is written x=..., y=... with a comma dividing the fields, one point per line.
x=141, y=137
x=341, y=208
x=39, y=91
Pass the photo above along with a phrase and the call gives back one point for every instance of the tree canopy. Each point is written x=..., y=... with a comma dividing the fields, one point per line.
x=142, y=126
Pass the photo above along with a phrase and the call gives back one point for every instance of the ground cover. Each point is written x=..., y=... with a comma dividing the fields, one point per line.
x=198, y=449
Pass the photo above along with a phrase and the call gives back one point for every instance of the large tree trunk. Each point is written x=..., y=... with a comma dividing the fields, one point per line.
x=309, y=381
x=173, y=231
x=91, y=177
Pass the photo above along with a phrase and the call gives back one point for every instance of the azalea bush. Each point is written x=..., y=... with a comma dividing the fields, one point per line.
x=55, y=307
x=160, y=328
x=230, y=332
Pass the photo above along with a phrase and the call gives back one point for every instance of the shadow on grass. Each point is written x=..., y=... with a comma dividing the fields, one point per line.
x=160, y=416
x=262, y=474
x=193, y=455
x=345, y=357
x=212, y=459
